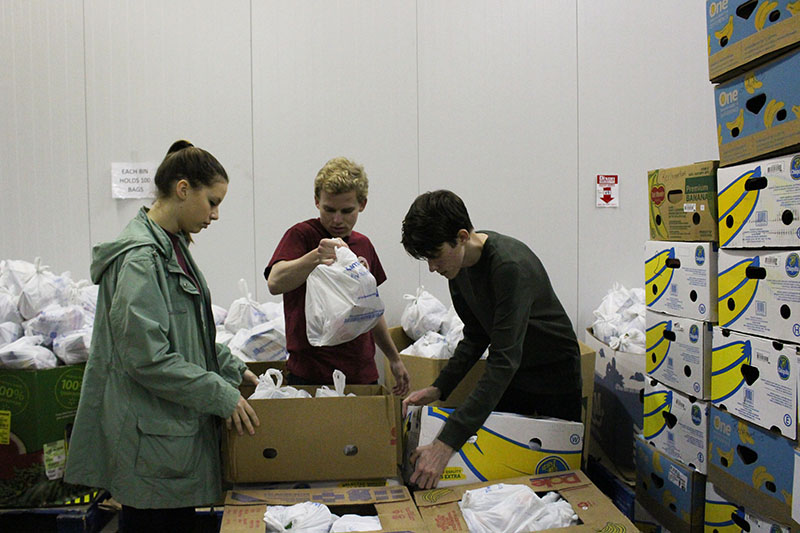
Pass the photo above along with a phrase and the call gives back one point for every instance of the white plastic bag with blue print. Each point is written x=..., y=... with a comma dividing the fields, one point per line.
x=244, y=313
x=342, y=301
x=306, y=517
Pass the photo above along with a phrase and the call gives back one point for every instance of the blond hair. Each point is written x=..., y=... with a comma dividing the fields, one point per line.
x=340, y=175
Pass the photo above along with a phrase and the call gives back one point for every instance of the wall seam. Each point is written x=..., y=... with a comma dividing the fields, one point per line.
x=578, y=286
x=253, y=155
x=419, y=178
x=86, y=127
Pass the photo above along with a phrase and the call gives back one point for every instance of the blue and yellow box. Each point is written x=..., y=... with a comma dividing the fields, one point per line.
x=758, y=113
x=756, y=379
x=743, y=33
x=681, y=278
x=752, y=465
x=724, y=516
x=669, y=490
x=759, y=203
x=758, y=292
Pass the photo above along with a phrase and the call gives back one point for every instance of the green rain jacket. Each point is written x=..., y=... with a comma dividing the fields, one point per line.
x=156, y=384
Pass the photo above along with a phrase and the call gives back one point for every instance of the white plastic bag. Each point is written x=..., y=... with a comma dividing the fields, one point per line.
x=353, y=522
x=55, y=320
x=272, y=310
x=503, y=508
x=342, y=301
x=244, y=312
x=263, y=342
x=8, y=307
x=423, y=313
x=14, y=274
x=9, y=332
x=223, y=335
x=269, y=387
x=220, y=313
x=306, y=517
x=432, y=345
x=339, y=380
x=27, y=352
x=73, y=347
x=42, y=290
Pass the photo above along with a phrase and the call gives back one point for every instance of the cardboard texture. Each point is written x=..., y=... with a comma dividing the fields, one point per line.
x=679, y=353
x=617, y=410
x=315, y=439
x=676, y=424
x=645, y=521
x=796, y=487
x=669, y=490
x=744, y=33
x=683, y=202
x=758, y=112
x=680, y=279
x=619, y=491
x=506, y=445
x=724, y=516
x=424, y=371
x=440, y=511
x=244, y=509
x=752, y=465
x=759, y=293
x=759, y=204
x=756, y=380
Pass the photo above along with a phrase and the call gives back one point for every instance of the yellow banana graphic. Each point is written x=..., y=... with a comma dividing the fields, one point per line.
x=719, y=134
x=719, y=515
x=434, y=495
x=751, y=83
x=735, y=291
x=736, y=125
x=744, y=434
x=727, y=456
x=761, y=476
x=726, y=31
x=793, y=8
x=658, y=275
x=726, y=364
x=657, y=463
x=787, y=497
x=769, y=113
x=494, y=456
x=796, y=108
x=657, y=345
x=763, y=12
x=668, y=499
x=735, y=205
x=656, y=403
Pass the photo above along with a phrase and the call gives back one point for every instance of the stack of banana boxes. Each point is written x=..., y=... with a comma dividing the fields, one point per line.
x=723, y=322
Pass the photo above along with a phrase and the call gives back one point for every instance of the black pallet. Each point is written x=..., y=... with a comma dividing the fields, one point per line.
x=84, y=518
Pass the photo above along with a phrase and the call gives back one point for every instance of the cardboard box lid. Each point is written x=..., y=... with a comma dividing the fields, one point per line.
x=326, y=495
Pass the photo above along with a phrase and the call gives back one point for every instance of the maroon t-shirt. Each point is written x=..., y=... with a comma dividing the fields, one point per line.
x=355, y=358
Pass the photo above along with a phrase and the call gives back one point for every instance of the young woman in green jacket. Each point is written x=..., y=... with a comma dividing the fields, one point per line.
x=156, y=385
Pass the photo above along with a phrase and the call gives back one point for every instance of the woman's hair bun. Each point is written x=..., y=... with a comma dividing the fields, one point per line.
x=179, y=145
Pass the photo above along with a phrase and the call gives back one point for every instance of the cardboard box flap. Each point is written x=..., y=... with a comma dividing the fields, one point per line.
x=329, y=495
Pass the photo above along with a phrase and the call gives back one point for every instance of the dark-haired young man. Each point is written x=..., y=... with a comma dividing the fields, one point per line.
x=502, y=293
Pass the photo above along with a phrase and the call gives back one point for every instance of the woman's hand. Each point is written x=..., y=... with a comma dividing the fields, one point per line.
x=243, y=417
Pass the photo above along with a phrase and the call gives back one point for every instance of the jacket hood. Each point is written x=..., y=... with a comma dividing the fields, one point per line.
x=141, y=231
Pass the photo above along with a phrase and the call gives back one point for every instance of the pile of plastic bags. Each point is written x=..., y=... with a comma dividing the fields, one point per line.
x=270, y=386
x=45, y=318
x=435, y=329
x=313, y=517
x=620, y=319
x=503, y=508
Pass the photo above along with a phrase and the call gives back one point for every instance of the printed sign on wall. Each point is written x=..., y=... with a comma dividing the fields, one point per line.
x=607, y=190
x=133, y=180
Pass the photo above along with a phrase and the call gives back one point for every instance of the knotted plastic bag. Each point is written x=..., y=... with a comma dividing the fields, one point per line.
x=342, y=301
x=306, y=517
x=55, y=320
x=43, y=289
x=269, y=387
x=9, y=332
x=27, y=352
x=244, y=312
x=423, y=313
x=339, y=380
x=73, y=347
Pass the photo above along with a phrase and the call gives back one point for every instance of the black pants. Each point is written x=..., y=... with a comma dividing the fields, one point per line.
x=565, y=406
x=133, y=520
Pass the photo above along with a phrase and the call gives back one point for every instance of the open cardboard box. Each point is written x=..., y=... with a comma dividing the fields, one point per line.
x=440, y=511
x=313, y=439
x=244, y=509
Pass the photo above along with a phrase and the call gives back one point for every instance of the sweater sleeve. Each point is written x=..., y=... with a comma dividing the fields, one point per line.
x=139, y=320
x=513, y=299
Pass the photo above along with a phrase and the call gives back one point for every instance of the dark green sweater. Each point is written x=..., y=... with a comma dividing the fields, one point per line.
x=506, y=302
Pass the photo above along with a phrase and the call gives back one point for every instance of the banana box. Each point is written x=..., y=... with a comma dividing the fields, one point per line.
x=676, y=424
x=759, y=204
x=679, y=353
x=669, y=490
x=683, y=202
x=759, y=292
x=680, y=278
x=758, y=112
x=751, y=464
x=742, y=33
x=724, y=516
x=796, y=487
x=507, y=445
x=756, y=380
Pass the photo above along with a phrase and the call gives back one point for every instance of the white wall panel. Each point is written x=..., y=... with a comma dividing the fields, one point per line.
x=645, y=102
x=43, y=198
x=161, y=71
x=335, y=79
x=498, y=123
